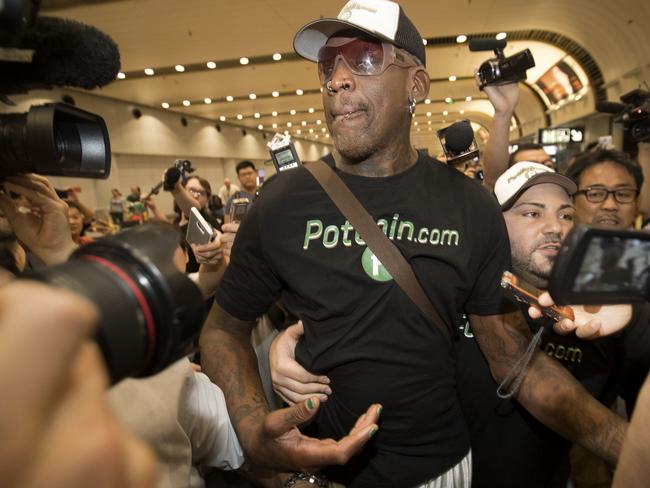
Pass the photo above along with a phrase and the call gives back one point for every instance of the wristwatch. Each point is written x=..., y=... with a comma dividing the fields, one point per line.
x=313, y=479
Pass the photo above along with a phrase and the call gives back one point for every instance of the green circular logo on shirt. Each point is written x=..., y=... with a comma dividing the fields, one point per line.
x=373, y=267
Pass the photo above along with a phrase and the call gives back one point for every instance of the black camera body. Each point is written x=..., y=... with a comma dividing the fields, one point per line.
x=636, y=115
x=179, y=170
x=501, y=70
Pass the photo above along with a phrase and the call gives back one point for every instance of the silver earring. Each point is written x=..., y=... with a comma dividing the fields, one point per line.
x=411, y=107
x=328, y=86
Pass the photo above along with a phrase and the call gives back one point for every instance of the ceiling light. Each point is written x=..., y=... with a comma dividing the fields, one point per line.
x=222, y=118
x=427, y=101
x=327, y=136
x=462, y=112
x=452, y=78
x=415, y=123
x=207, y=100
x=316, y=136
x=429, y=114
x=240, y=116
x=461, y=38
x=311, y=110
x=321, y=89
x=299, y=91
x=149, y=71
x=274, y=113
x=260, y=127
x=277, y=57
x=252, y=96
x=165, y=105
x=244, y=61
x=230, y=98
x=292, y=111
x=286, y=132
x=275, y=94
x=418, y=129
x=289, y=124
x=468, y=99
x=180, y=68
x=319, y=122
x=187, y=103
x=449, y=100
x=211, y=65
x=121, y=76
x=424, y=41
x=303, y=123
x=429, y=122
x=429, y=129
x=311, y=131
x=323, y=129
x=275, y=126
x=445, y=112
x=257, y=115
x=501, y=35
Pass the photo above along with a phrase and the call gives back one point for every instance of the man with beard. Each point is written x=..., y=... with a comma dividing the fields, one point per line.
x=361, y=329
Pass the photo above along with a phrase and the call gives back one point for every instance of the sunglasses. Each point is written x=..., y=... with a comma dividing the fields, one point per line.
x=362, y=57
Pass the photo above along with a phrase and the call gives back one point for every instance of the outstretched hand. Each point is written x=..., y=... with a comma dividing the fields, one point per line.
x=277, y=442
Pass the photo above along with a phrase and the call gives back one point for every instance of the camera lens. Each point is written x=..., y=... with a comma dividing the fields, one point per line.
x=150, y=312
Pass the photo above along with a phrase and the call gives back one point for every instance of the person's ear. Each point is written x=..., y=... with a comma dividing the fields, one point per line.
x=420, y=85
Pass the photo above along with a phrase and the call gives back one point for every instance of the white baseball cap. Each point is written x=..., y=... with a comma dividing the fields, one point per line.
x=521, y=176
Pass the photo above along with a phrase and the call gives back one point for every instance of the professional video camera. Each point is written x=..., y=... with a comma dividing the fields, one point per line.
x=150, y=312
x=633, y=113
x=52, y=139
x=501, y=69
x=598, y=265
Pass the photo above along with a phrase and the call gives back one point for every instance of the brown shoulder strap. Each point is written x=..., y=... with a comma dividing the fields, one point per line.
x=391, y=258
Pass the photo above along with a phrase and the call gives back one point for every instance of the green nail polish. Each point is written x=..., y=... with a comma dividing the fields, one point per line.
x=310, y=404
x=372, y=432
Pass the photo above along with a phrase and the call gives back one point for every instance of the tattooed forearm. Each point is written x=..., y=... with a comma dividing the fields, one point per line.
x=228, y=358
x=549, y=391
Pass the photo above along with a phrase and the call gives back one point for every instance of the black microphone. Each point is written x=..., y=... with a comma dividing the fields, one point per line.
x=459, y=137
x=610, y=107
x=66, y=53
x=486, y=44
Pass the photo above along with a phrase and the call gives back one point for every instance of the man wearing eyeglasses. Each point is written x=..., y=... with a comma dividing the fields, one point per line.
x=608, y=188
x=361, y=329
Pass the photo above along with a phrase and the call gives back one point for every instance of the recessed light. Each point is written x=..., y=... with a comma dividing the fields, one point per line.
x=222, y=118
x=299, y=91
x=230, y=98
x=187, y=103
x=289, y=124
x=418, y=129
x=415, y=123
x=275, y=126
x=316, y=136
x=445, y=112
x=165, y=105
x=501, y=35
x=429, y=122
x=292, y=111
x=323, y=129
x=286, y=132
x=468, y=99
x=275, y=94
x=462, y=112
x=319, y=122
x=429, y=129
x=260, y=127
x=121, y=76
x=311, y=131
x=277, y=57
x=427, y=101
x=321, y=89
x=429, y=114
x=449, y=100
x=207, y=100
x=327, y=136
x=424, y=41
x=240, y=116
x=149, y=71
x=252, y=96
x=461, y=38
x=274, y=113
x=244, y=61
x=311, y=110
x=257, y=115
x=211, y=65
x=298, y=132
x=303, y=123
x=452, y=78
x=180, y=68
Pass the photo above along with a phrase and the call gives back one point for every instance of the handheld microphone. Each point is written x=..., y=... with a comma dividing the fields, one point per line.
x=66, y=53
x=486, y=44
x=459, y=136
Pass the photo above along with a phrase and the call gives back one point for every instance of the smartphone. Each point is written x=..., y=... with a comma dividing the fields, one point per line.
x=198, y=229
x=238, y=209
x=526, y=293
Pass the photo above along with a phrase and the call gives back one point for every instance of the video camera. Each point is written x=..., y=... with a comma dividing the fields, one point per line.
x=633, y=113
x=52, y=139
x=598, y=266
x=500, y=70
x=177, y=171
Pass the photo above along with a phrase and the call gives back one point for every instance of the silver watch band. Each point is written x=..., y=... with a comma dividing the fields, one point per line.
x=314, y=479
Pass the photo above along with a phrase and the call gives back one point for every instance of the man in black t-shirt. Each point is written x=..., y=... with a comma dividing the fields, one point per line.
x=511, y=448
x=360, y=327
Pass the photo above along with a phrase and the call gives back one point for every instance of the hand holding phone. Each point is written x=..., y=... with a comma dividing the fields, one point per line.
x=198, y=229
x=528, y=294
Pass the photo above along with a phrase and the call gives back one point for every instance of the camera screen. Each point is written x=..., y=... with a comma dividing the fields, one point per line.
x=613, y=264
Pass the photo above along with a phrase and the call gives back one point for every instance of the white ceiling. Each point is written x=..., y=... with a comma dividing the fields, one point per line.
x=163, y=33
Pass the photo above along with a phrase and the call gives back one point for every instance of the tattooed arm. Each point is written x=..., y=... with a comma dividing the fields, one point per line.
x=269, y=440
x=549, y=392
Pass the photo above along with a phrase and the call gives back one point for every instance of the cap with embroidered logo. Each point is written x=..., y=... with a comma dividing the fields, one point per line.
x=382, y=19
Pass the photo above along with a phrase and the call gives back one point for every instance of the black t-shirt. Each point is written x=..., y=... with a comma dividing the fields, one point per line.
x=360, y=328
x=510, y=448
